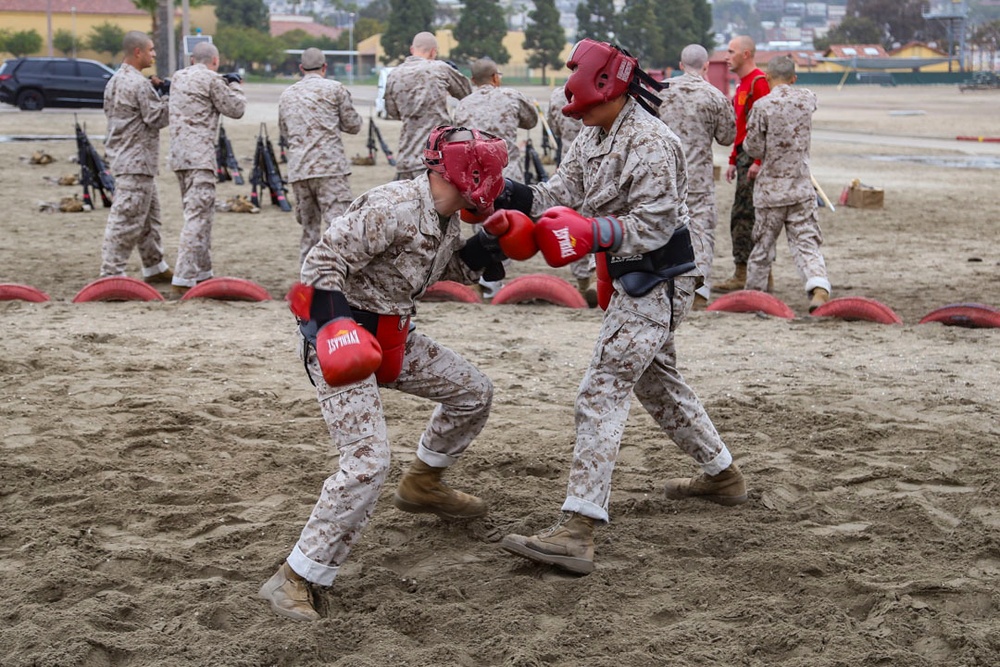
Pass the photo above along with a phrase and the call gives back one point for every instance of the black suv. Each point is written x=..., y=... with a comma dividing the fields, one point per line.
x=34, y=83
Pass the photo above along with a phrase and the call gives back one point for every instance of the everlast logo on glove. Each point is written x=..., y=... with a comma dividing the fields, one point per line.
x=343, y=338
x=567, y=244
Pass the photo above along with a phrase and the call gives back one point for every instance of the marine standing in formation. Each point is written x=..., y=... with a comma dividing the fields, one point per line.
x=779, y=134
x=417, y=93
x=136, y=113
x=698, y=112
x=311, y=115
x=198, y=97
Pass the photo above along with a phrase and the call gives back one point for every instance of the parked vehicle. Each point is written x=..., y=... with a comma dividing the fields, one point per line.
x=35, y=83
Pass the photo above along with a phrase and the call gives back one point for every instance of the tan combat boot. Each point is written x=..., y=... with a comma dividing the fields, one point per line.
x=161, y=277
x=421, y=491
x=587, y=289
x=726, y=488
x=819, y=297
x=737, y=282
x=568, y=545
x=289, y=595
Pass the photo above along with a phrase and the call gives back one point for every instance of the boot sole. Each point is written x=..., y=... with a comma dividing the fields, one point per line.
x=416, y=508
x=574, y=565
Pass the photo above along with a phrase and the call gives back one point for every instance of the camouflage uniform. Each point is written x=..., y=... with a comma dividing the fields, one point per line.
x=563, y=127
x=197, y=98
x=416, y=92
x=698, y=112
x=499, y=111
x=135, y=116
x=311, y=115
x=382, y=254
x=565, y=130
x=636, y=173
x=778, y=133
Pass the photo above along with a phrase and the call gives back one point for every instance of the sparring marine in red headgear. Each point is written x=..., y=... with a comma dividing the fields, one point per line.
x=602, y=72
x=471, y=160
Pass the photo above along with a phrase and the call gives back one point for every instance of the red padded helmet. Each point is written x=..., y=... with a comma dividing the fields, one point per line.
x=471, y=160
x=601, y=72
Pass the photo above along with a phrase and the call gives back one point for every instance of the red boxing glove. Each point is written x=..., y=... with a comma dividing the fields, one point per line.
x=564, y=236
x=471, y=216
x=515, y=232
x=347, y=353
x=300, y=299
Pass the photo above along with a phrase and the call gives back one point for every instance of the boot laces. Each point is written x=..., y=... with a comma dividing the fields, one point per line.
x=551, y=530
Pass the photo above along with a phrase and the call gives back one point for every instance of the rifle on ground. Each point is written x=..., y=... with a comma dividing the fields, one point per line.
x=266, y=174
x=534, y=170
x=94, y=173
x=227, y=167
x=374, y=132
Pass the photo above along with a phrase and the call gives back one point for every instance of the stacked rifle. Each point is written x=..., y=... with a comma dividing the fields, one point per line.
x=266, y=174
x=227, y=168
x=94, y=172
x=373, y=135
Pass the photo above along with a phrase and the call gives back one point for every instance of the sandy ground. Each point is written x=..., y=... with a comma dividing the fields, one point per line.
x=159, y=459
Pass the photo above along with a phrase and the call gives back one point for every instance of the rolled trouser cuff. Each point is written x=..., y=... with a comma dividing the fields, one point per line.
x=310, y=570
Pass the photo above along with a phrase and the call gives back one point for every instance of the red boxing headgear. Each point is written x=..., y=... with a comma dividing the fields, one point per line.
x=471, y=160
x=601, y=72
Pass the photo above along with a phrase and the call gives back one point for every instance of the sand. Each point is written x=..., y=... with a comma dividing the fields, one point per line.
x=159, y=459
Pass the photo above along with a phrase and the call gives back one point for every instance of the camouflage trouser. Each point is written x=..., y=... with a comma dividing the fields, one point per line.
x=194, y=252
x=701, y=207
x=134, y=221
x=635, y=351
x=801, y=225
x=318, y=200
x=357, y=427
x=584, y=267
x=741, y=220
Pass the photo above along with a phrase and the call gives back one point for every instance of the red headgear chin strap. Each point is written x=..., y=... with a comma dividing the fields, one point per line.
x=603, y=72
x=471, y=160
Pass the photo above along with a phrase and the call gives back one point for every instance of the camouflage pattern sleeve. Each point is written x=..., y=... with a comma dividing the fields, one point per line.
x=779, y=133
x=527, y=115
x=135, y=116
x=228, y=98
x=457, y=83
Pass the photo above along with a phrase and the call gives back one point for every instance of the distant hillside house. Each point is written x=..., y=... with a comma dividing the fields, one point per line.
x=282, y=23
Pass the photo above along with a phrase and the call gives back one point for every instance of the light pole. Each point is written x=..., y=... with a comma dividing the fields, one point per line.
x=72, y=11
x=350, y=47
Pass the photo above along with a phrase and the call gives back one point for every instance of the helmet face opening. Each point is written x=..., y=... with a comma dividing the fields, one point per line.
x=600, y=72
x=471, y=160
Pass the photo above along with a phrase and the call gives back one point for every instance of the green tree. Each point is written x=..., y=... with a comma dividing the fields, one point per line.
x=852, y=30
x=642, y=34
x=67, y=42
x=244, y=47
x=596, y=19
x=683, y=22
x=243, y=13
x=379, y=10
x=480, y=31
x=544, y=39
x=106, y=38
x=21, y=43
x=406, y=19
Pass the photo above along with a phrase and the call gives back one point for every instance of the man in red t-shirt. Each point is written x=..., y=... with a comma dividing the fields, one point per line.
x=753, y=86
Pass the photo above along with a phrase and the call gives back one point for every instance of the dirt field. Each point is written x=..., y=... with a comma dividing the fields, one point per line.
x=159, y=459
